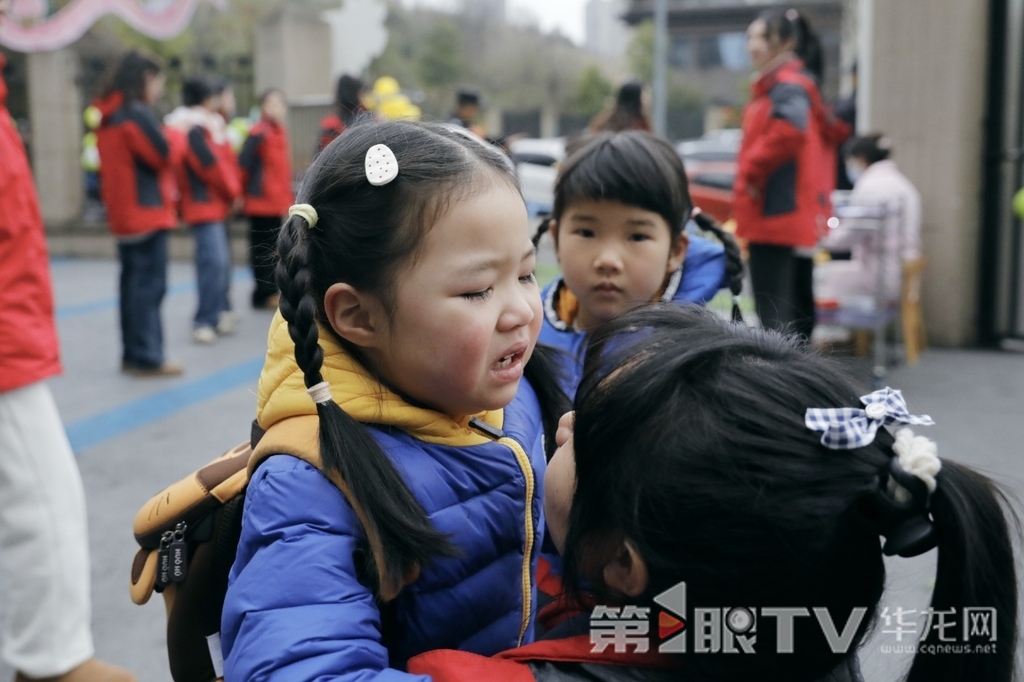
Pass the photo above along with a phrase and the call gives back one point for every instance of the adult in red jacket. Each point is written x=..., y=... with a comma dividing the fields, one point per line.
x=137, y=188
x=782, y=190
x=208, y=187
x=348, y=106
x=43, y=534
x=267, y=186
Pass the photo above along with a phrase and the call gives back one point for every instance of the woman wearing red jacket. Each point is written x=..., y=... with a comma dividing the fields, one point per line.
x=784, y=179
x=348, y=106
x=137, y=188
x=43, y=533
x=208, y=187
x=267, y=186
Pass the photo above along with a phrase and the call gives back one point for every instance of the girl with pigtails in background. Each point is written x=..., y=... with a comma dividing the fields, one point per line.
x=394, y=503
x=734, y=468
x=621, y=205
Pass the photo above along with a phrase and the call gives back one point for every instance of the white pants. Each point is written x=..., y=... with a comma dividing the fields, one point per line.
x=44, y=548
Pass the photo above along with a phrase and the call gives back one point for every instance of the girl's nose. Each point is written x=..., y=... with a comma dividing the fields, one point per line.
x=518, y=312
x=608, y=260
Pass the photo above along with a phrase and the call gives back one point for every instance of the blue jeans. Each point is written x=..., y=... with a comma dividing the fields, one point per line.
x=142, y=288
x=213, y=271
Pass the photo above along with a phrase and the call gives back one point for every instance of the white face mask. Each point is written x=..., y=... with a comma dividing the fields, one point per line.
x=853, y=170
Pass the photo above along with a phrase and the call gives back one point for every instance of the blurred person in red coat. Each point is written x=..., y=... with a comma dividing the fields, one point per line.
x=348, y=106
x=267, y=192
x=44, y=548
x=208, y=186
x=138, y=190
x=786, y=168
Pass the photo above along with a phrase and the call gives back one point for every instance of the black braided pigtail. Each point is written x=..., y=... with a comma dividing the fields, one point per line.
x=545, y=224
x=400, y=536
x=733, y=259
x=545, y=372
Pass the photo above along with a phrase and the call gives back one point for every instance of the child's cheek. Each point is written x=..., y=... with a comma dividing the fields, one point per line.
x=470, y=349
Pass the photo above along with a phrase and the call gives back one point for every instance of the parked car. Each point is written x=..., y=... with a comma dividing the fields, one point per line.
x=536, y=161
x=710, y=164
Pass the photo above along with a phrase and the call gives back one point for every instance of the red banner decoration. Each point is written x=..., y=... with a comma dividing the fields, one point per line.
x=159, y=19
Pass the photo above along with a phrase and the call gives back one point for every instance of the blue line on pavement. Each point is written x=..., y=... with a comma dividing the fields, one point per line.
x=64, y=312
x=90, y=431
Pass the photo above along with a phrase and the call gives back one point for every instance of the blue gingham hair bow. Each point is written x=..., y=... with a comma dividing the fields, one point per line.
x=846, y=428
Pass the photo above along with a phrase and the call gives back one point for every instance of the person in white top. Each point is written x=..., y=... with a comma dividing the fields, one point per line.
x=876, y=180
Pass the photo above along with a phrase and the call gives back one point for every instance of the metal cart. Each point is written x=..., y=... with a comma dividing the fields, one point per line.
x=868, y=223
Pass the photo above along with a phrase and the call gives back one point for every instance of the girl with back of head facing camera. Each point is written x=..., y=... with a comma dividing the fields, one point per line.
x=735, y=461
x=621, y=205
x=409, y=316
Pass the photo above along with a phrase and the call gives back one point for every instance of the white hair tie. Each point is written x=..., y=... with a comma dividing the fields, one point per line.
x=320, y=393
x=305, y=211
x=919, y=457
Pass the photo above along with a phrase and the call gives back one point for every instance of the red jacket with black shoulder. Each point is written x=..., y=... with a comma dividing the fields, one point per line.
x=330, y=127
x=266, y=171
x=136, y=179
x=785, y=171
x=206, y=177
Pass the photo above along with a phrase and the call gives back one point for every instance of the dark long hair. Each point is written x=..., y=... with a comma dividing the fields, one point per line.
x=363, y=236
x=197, y=89
x=873, y=147
x=129, y=75
x=690, y=441
x=628, y=111
x=639, y=169
x=347, y=100
x=790, y=24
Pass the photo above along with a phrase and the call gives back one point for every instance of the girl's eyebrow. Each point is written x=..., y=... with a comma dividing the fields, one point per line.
x=491, y=264
x=582, y=218
x=640, y=222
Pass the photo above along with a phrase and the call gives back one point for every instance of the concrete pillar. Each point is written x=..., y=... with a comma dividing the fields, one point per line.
x=293, y=53
x=55, y=111
x=549, y=122
x=927, y=77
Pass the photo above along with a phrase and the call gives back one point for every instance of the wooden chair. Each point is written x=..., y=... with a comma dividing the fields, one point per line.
x=915, y=337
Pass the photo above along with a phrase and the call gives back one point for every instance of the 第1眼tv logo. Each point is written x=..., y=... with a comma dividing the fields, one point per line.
x=723, y=630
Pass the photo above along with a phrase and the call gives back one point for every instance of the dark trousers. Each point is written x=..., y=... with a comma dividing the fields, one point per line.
x=783, y=288
x=142, y=288
x=263, y=256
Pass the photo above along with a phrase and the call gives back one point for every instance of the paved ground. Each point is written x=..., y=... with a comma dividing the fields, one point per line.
x=134, y=436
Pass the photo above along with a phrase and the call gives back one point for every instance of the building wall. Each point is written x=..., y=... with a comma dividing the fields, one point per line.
x=926, y=90
x=607, y=34
x=55, y=108
x=293, y=53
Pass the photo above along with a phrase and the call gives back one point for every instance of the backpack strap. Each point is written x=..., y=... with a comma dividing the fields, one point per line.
x=300, y=437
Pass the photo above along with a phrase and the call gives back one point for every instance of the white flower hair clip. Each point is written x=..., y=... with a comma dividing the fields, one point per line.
x=918, y=456
x=381, y=165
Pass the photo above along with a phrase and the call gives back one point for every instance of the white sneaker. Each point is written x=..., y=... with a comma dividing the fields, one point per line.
x=204, y=335
x=227, y=323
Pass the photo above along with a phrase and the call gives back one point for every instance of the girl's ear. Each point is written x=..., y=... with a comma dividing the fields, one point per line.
x=553, y=229
x=626, y=572
x=354, y=315
x=677, y=254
